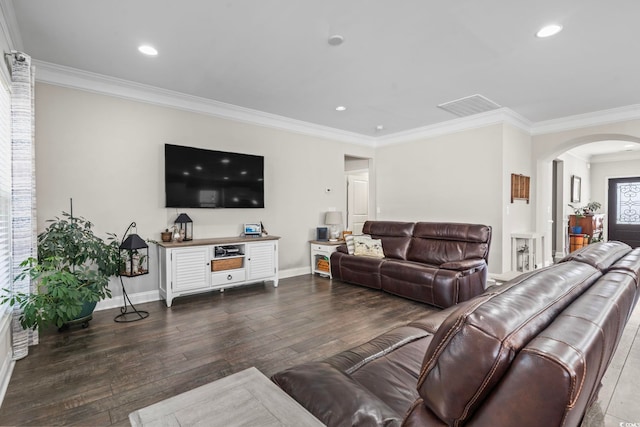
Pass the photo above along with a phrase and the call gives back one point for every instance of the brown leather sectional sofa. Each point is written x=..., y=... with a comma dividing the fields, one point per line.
x=436, y=263
x=531, y=352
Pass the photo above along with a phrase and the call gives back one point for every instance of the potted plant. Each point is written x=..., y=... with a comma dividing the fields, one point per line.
x=588, y=209
x=71, y=273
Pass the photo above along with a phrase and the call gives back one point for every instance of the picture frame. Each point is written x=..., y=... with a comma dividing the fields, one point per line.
x=576, y=190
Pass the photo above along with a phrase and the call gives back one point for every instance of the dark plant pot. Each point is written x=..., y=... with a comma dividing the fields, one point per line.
x=86, y=314
x=576, y=230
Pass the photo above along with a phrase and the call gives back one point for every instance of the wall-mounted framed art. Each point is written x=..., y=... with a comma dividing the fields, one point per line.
x=576, y=190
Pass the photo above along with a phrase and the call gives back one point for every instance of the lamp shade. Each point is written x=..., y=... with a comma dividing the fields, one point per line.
x=333, y=218
x=133, y=241
x=183, y=218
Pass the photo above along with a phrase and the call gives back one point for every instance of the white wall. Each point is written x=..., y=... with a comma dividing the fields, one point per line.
x=517, y=216
x=108, y=155
x=575, y=166
x=455, y=177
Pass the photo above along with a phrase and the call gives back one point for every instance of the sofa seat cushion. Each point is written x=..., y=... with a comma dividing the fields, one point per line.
x=493, y=328
x=333, y=397
x=371, y=384
x=349, y=361
x=398, y=372
x=419, y=282
x=358, y=269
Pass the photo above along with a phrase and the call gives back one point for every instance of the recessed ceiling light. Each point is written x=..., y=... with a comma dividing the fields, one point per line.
x=629, y=145
x=379, y=127
x=336, y=40
x=549, y=30
x=148, y=50
x=341, y=108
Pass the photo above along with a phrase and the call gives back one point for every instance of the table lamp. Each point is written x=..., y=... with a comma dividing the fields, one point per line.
x=333, y=219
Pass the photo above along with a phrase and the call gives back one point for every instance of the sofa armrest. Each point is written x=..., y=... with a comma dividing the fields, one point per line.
x=465, y=264
x=343, y=249
x=333, y=397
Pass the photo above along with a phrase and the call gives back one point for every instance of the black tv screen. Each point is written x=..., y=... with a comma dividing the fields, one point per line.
x=198, y=178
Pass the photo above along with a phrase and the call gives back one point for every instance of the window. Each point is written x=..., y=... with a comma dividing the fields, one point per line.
x=5, y=187
x=628, y=197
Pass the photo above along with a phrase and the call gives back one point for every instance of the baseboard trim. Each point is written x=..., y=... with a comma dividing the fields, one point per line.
x=150, y=296
x=292, y=272
x=137, y=298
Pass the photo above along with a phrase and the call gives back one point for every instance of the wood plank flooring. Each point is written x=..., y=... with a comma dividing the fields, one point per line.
x=97, y=376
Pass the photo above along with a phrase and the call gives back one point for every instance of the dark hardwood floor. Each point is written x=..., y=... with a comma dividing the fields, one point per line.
x=97, y=376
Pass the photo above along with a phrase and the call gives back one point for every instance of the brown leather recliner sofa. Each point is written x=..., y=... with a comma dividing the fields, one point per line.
x=436, y=263
x=531, y=352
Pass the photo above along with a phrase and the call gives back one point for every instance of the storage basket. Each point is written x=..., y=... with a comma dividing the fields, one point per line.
x=323, y=265
x=226, y=264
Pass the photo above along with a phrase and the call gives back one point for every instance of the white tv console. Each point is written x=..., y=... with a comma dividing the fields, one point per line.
x=202, y=265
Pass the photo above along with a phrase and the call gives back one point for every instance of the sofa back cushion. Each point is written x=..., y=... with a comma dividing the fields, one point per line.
x=395, y=236
x=436, y=243
x=475, y=345
x=565, y=362
x=630, y=264
x=601, y=255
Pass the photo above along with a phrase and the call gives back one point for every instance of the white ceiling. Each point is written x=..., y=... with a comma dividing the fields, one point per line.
x=399, y=59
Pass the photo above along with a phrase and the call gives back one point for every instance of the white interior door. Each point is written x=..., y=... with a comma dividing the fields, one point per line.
x=357, y=201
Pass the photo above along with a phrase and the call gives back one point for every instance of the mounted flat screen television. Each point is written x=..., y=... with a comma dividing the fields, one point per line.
x=199, y=178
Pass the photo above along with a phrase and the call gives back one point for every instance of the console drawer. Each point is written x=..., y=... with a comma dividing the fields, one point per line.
x=227, y=277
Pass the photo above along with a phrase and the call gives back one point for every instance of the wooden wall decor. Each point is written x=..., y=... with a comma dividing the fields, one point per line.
x=520, y=187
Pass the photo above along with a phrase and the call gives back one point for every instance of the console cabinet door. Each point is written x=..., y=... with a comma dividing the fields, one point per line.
x=190, y=267
x=261, y=260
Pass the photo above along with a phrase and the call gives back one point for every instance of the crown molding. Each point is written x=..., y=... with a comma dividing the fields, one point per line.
x=499, y=116
x=615, y=157
x=59, y=75
x=597, y=118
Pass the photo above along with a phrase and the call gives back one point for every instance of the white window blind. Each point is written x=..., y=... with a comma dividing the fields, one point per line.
x=5, y=187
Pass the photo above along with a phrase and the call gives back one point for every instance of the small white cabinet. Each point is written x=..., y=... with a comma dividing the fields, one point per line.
x=321, y=256
x=208, y=264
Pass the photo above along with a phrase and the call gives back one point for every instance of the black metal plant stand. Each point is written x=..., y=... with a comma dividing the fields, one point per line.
x=127, y=315
x=131, y=245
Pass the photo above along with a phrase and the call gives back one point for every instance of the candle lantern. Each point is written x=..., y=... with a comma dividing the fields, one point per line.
x=184, y=224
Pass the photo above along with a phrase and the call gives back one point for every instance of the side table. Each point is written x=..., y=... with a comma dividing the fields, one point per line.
x=321, y=256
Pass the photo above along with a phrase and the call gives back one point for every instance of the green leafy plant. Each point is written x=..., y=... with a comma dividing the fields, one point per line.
x=588, y=209
x=73, y=268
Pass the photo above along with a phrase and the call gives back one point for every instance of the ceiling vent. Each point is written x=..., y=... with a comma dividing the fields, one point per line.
x=469, y=105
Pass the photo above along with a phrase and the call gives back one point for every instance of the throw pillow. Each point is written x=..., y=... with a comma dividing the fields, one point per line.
x=348, y=240
x=368, y=247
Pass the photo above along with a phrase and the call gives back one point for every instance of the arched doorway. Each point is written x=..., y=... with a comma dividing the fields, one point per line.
x=551, y=210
